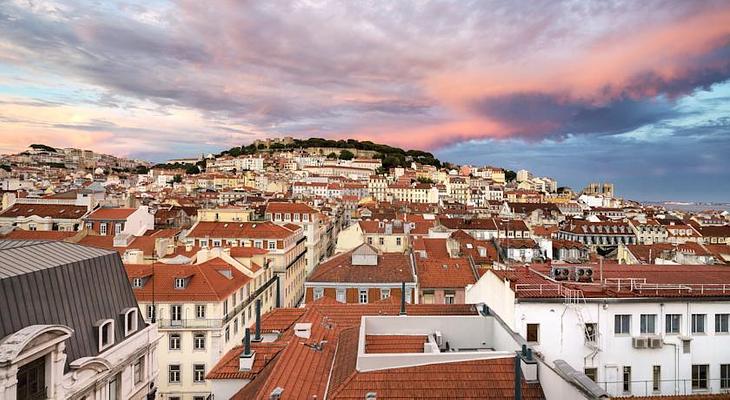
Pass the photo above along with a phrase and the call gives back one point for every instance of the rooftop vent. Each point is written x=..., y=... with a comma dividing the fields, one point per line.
x=371, y=396
x=276, y=393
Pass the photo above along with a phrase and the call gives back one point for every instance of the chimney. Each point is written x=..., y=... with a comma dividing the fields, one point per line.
x=258, y=337
x=518, y=378
x=402, y=298
x=245, y=361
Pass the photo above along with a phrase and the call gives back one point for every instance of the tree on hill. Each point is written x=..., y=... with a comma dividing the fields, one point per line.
x=509, y=175
x=332, y=156
x=177, y=179
x=346, y=155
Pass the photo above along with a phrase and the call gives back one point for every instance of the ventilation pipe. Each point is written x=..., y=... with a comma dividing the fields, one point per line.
x=402, y=298
x=258, y=337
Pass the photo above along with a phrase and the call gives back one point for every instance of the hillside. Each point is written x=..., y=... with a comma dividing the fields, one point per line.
x=390, y=156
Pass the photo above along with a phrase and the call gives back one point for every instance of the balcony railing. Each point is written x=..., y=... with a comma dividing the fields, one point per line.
x=667, y=387
x=200, y=323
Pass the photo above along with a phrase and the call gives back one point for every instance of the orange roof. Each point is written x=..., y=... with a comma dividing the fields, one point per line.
x=257, y=230
x=206, y=282
x=286, y=207
x=115, y=214
x=394, y=343
x=19, y=234
x=328, y=320
x=229, y=367
x=444, y=273
x=391, y=268
x=59, y=211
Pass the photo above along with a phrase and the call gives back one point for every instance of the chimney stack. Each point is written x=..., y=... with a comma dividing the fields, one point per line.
x=245, y=361
x=257, y=337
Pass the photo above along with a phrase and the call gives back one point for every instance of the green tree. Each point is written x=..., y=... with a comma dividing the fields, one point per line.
x=346, y=155
x=332, y=156
x=177, y=179
x=509, y=175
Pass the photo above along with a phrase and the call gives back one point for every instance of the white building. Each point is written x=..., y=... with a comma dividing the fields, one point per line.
x=646, y=330
x=202, y=311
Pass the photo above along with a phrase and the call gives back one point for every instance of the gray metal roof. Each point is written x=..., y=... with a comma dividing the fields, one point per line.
x=19, y=257
x=59, y=283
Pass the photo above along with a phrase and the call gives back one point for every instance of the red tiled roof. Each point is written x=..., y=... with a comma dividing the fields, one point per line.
x=328, y=320
x=257, y=230
x=444, y=273
x=391, y=268
x=206, y=281
x=19, y=234
x=228, y=367
x=394, y=343
x=115, y=214
x=286, y=207
x=58, y=211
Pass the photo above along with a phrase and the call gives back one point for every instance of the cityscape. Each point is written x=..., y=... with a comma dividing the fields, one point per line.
x=364, y=200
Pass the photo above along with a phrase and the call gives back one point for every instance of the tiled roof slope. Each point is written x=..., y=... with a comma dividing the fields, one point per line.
x=391, y=268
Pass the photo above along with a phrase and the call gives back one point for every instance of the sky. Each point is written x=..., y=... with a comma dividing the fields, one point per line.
x=632, y=92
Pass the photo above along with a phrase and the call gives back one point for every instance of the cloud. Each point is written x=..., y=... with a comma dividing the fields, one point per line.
x=162, y=79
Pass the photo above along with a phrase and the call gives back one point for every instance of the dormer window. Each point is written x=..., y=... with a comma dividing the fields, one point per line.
x=102, y=228
x=137, y=282
x=105, y=331
x=130, y=320
x=180, y=283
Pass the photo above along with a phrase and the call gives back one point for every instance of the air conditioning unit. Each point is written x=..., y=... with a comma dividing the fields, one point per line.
x=656, y=343
x=560, y=273
x=584, y=273
x=640, y=342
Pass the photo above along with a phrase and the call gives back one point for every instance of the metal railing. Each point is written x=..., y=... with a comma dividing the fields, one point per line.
x=201, y=323
x=571, y=296
x=666, y=387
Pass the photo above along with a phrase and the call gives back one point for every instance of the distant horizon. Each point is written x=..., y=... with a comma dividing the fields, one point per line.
x=536, y=173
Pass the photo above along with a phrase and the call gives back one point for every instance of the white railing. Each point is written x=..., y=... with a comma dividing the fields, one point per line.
x=571, y=296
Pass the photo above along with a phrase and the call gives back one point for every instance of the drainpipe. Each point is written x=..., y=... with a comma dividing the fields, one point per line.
x=402, y=298
x=518, y=378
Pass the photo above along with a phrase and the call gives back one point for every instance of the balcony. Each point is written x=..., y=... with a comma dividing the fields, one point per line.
x=194, y=323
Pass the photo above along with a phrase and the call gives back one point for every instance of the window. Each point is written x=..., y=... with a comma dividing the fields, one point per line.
x=130, y=321
x=384, y=293
x=216, y=242
x=106, y=334
x=656, y=378
x=318, y=293
x=174, y=374
x=174, y=341
x=138, y=370
x=176, y=312
x=648, y=323
x=363, y=296
x=228, y=333
x=370, y=240
x=533, y=333
x=698, y=323
x=179, y=283
x=591, y=373
x=258, y=244
x=150, y=312
x=102, y=228
x=724, y=376
x=114, y=387
x=117, y=229
x=398, y=241
x=627, y=380
x=199, y=341
x=449, y=296
x=225, y=307
x=137, y=282
x=721, y=323
x=381, y=241
x=200, y=311
x=673, y=322
x=590, y=331
x=32, y=227
x=341, y=295
x=198, y=373
x=700, y=376
x=622, y=324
